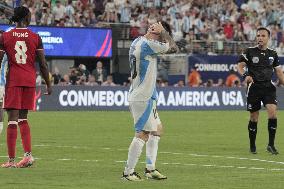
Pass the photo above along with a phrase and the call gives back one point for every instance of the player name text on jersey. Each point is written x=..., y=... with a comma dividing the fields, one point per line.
x=20, y=34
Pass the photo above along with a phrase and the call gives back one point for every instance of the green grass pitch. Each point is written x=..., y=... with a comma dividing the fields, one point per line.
x=199, y=150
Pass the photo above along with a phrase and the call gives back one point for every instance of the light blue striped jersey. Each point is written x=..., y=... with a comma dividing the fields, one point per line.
x=143, y=64
x=3, y=70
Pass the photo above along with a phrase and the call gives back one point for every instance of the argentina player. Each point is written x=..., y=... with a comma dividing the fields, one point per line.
x=143, y=97
x=3, y=70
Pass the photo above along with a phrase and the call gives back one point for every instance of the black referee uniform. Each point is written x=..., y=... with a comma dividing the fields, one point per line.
x=260, y=66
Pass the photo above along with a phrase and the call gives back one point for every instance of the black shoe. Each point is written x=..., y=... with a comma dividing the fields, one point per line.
x=253, y=150
x=272, y=150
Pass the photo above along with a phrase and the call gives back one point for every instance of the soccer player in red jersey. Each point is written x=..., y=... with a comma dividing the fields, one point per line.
x=21, y=46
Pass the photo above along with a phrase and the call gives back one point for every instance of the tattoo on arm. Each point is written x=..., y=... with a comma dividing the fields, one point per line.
x=166, y=37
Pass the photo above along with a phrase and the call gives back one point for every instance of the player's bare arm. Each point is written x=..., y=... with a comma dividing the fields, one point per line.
x=241, y=69
x=166, y=37
x=280, y=75
x=44, y=70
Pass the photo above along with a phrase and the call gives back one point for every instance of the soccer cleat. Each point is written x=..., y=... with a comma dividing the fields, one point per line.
x=9, y=164
x=131, y=177
x=27, y=161
x=253, y=150
x=154, y=174
x=272, y=150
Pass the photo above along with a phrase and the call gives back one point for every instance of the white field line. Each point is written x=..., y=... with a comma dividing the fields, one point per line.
x=241, y=167
x=225, y=157
x=42, y=145
x=258, y=168
x=169, y=164
x=213, y=156
x=165, y=152
x=66, y=159
x=227, y=166
x=93, y=160
x=61, y=146
x=18, y=157
x=215, y=166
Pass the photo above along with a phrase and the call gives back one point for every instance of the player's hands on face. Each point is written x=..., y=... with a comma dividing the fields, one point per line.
x=160, y=27
x=248, y=79
x=48, y=90
x=156, y=28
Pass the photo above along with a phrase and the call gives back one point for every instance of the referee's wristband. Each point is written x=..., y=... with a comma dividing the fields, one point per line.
x=245, y=75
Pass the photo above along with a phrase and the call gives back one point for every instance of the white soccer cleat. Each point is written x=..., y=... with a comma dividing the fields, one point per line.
x=154, y=174
x=131, y=177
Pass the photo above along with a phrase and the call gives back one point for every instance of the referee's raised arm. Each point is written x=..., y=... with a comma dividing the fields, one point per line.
x=242, y=67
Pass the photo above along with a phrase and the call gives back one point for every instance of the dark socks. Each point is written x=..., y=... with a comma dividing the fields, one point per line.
x=272, y=126
x=252, y=129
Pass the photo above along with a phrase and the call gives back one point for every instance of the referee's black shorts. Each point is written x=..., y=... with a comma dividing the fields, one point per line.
x=264, y=92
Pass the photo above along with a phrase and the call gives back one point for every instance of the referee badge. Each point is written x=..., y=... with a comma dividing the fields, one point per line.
x=249, y=106
x=271, y=60
x=255, y=59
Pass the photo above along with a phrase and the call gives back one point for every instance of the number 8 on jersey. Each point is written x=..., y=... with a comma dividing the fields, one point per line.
x=21, y=49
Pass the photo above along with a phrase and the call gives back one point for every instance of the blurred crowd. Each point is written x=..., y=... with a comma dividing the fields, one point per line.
x=81, y=76
x=197, y=26
x=209, y=21
x=99, y=77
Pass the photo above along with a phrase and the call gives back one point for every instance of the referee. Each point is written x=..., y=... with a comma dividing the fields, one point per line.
x=257, y=65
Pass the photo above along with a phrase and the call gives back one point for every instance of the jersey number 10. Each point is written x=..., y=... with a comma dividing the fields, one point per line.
x=21, y=49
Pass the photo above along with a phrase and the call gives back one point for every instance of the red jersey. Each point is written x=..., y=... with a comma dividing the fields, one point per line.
x=20, y=45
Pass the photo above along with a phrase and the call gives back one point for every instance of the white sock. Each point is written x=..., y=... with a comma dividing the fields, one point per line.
x=151, y=151
x=1, y=127
x=135, y=150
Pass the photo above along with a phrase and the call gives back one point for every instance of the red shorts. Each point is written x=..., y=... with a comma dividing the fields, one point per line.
x=19, y=98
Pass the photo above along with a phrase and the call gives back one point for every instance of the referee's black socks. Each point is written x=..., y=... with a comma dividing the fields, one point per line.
x=272, y=126
x=252, y=129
